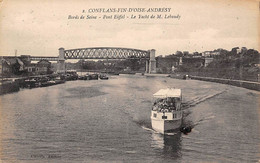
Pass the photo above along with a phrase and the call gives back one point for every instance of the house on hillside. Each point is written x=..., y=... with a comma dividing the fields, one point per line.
x=206, y=53
x=210, y=53
x=208, y=61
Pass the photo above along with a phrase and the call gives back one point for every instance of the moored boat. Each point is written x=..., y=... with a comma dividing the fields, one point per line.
x=166, y=114
x=94, y=76
x=30, y=83
x=186, y=77
x=103, y=77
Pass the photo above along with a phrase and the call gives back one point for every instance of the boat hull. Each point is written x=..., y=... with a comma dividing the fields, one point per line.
x=164, y=126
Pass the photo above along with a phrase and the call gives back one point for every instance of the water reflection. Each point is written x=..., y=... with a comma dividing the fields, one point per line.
x=172, y=145
x=157, y=140
x=168, y=145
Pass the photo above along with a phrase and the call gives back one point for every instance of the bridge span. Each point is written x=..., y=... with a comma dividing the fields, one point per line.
x=101, y=53
x=107, y=53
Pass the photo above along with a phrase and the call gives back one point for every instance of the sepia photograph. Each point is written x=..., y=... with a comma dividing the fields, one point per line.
x=150, y=81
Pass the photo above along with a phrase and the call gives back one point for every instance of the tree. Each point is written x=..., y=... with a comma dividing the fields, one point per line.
x=16, y=69
x=179, y=54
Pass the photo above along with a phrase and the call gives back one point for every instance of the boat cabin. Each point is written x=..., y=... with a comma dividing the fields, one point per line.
x=167, y=100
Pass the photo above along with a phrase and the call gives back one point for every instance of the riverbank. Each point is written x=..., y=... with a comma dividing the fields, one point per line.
x=9, y=87
x=239, y=83
x=157, y=75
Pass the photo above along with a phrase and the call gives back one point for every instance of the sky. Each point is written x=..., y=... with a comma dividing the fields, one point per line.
x=40, y=28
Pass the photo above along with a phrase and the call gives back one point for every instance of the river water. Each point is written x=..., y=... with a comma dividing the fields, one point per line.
x=109, y=121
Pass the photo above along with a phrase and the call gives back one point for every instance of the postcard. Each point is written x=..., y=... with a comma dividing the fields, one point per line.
x=129, y=81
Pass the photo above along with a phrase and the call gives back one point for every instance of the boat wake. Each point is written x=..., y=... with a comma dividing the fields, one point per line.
x=195, y=131
x=191, y=125
x=170, y=134
x=204, y=120
x=199, y=99
x=148, y=129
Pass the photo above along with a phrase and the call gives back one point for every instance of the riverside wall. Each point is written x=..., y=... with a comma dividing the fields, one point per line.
x=238, y=83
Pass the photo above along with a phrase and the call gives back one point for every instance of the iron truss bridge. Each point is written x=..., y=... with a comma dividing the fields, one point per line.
x=37, y=58
x=106, y=53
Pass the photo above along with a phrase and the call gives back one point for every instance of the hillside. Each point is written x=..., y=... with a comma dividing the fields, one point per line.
x=230, y=66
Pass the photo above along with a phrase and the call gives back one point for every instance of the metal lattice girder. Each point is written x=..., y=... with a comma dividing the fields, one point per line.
x=36, y=58
x=106, y=53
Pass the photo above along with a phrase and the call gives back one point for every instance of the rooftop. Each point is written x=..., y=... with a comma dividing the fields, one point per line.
x=168, y=92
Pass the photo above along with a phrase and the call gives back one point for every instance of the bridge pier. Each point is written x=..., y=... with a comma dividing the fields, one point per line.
x=61, y=61
x=152, y=62
x=147, y=66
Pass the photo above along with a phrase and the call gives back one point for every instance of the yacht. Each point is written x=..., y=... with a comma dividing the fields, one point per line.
x=166, y=114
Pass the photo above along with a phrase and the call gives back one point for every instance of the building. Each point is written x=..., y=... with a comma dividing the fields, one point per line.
x=206, y=53
x=41, y=68
x=5, y=68
x=210, y=53
x=196, y=55
x=30, y=68
x=11, y=65
x=207, y=61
